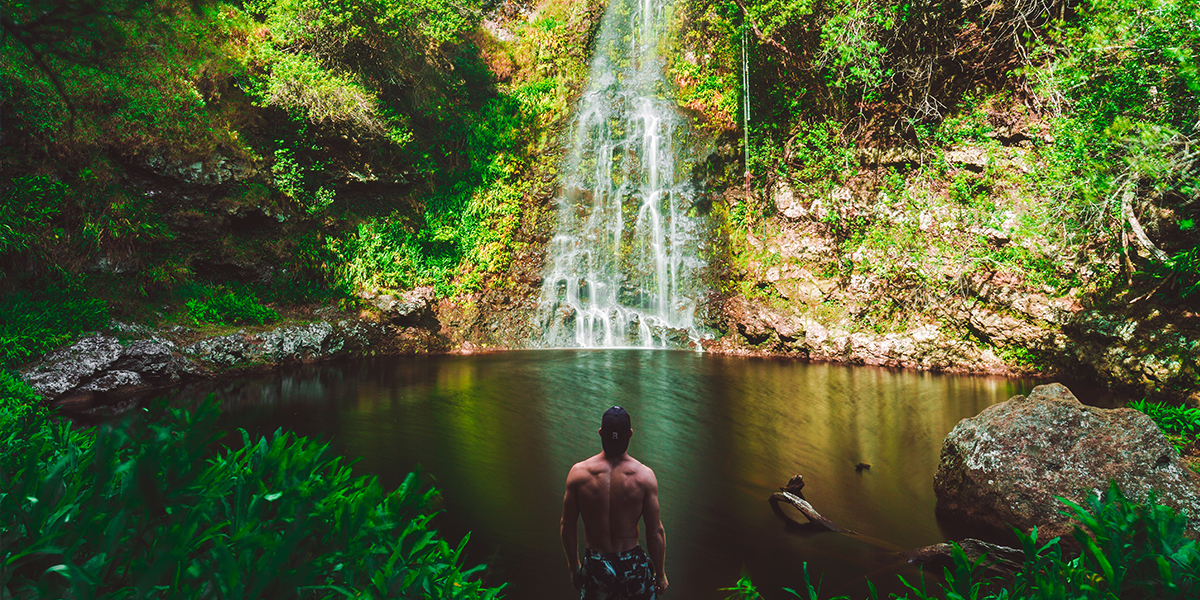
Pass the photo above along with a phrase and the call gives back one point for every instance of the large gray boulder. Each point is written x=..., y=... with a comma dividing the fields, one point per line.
x=1007, y=465
x=99, y=365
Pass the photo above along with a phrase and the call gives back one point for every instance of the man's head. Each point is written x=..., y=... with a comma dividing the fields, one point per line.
x=615, y=431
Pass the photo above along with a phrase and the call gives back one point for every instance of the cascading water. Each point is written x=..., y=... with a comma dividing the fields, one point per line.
x=624, y=265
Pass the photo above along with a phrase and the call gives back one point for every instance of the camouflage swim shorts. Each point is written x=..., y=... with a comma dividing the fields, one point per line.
x=613, y=575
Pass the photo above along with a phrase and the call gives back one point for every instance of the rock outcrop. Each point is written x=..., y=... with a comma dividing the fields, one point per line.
x=214, y=170
x=412, y=308
x=101, y=365
x=1007, y=465
x=290, y=344
x=1143, y=355
x=762, y=329
x=102, y=369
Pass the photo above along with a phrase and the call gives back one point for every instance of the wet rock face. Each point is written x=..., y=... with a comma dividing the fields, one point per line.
x=1007, y=465
x=1147, y=355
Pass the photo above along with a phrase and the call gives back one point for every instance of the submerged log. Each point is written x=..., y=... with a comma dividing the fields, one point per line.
x=792, y=495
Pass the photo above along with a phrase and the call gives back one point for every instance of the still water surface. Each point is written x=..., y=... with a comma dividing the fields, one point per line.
x=497, y=434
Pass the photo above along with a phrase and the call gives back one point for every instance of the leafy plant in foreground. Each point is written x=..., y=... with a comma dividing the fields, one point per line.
x=142, y=508
x=17, y=399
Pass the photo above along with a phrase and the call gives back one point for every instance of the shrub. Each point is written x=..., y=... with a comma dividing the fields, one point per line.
x=228, y=306
x=17, y=400
x=27, y=206
x=142, y=508
x=1173, y=420
x=34, y=324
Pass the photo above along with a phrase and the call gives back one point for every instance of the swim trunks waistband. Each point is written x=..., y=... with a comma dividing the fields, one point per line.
x=612, y=556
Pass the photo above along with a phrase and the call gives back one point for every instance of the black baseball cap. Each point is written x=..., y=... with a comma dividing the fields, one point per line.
x=615, y=431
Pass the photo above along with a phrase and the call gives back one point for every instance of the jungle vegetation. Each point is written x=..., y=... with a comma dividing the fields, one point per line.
x=1088, y=110
x=352, y=146
x=366, y=145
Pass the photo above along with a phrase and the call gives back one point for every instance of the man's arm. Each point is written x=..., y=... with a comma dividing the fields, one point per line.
x=569, y=530
x=656, y=536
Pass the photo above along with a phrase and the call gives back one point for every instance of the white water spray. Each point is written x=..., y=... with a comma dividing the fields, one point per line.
x=623, y=266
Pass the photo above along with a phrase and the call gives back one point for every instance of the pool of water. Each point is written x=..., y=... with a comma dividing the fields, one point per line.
x=497, y=433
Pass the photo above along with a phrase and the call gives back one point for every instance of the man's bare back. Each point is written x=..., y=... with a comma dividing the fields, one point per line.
x=612, y=499
x=613, y=493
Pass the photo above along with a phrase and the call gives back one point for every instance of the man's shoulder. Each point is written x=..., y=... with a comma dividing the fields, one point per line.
x=583, y=468
x=640, y=470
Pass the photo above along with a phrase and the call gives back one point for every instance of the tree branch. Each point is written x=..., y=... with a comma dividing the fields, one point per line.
x=758, y=33
x=1139, y=234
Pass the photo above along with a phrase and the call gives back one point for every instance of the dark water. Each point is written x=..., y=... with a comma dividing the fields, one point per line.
x=497, y=434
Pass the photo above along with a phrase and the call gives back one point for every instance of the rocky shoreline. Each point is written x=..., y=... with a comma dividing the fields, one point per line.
x=1133, y=357
x=110, y=371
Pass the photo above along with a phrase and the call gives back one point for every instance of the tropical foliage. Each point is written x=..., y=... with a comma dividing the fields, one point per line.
x=227, y=306
x=145, y=508
x=36, y=324
x=938, y=145
x=1181, y=424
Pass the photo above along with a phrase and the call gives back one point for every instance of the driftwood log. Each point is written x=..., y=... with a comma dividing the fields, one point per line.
x=1000, y=560
x=792, y=495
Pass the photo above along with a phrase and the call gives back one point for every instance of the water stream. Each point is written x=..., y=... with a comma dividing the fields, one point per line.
x=624, y=265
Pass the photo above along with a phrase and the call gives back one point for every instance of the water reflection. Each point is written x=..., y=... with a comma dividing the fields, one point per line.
x=497, y=434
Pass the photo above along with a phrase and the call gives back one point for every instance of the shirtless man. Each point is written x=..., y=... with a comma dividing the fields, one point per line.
x=613, y=491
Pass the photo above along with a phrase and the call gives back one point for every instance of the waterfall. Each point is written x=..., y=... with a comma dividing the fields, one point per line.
x=623, y=268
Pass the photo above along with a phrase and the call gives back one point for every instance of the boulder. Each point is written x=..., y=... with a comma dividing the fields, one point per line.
x=155, y=360
x=100, y=364
x=113, y=381
x=298, y=343
x=224, y=351
x=413, y=308
x=1009, y=464
x=64, y=370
